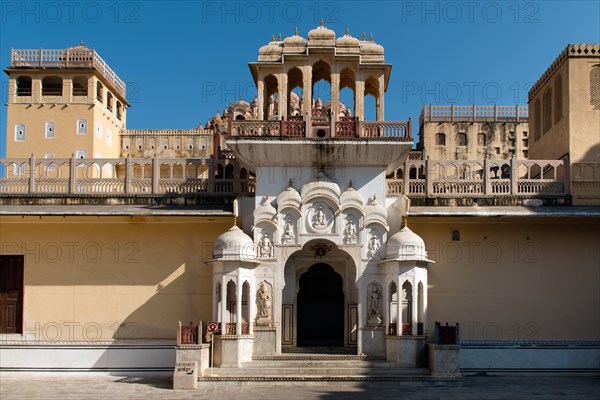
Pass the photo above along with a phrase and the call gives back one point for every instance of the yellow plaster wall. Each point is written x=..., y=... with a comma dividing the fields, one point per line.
x=89, y=278
x=515, y=279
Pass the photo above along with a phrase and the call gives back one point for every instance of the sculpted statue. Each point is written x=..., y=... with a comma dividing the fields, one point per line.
x=375, y=305
x=265, y=247
x=319, y=220
x=350, y=232
x=263, y=302
x=288, y=232
x=374, y=245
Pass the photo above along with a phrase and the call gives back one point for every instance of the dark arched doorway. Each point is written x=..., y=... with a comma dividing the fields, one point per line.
x=320, y=308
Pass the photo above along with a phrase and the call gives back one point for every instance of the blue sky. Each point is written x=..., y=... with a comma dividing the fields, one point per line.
x=195, y=53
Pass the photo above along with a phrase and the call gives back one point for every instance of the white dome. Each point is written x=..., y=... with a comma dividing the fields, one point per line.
x=265, y=212
x=289, y=198
x=352, y=198
x=406, y=245
x=321, y=36
x=234, y=245
x=375, y=213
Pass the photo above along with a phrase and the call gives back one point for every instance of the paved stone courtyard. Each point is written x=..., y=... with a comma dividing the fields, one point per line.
x=92, y=387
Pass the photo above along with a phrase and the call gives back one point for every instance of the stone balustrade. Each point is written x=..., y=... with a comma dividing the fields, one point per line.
x=124, y=176
x=481, y=178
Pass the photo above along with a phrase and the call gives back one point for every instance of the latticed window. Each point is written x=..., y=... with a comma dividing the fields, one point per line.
x=461, y=139
x=595, y=87
x=547, y=114
x=537, y=119
x=557, y=99
x=440, y=139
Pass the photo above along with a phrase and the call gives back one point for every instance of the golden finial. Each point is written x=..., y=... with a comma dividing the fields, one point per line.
x=81, y=44
x=350, y=184
x=279, y=37
x=370, y=37
x=290, y=183
x=404, y=222
x=273, y=38
x=347, y=31
x=296, y=31
x=322, y=23
x=364, y=36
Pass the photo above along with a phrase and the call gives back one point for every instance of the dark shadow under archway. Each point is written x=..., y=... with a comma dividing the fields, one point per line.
x=320, y=316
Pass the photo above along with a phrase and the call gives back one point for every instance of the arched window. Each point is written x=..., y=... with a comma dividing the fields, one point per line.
x=109, y=101
x=547, y=112
x=52, y=86
x=557, y=99
x=595, y=87
x=481, y=139
x=537, y=119
x=99, y=92
x=440, y=139
x=119, y=110
x=229, y=169
x=24, y=86
x=80, y=87
x=461, y=139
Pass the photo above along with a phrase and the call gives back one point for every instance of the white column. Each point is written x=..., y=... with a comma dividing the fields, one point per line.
x=400, y=305
x=238, y=306
x=282, y=106
x=359, y=100
x=385, y=304
x=414, y=305
x=261, y=95
x=224, y=316
x=380, y=99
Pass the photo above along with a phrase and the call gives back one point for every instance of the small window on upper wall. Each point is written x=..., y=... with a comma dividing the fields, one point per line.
x=49, y=130
x=99, y=131
x=19, y=133
x=203, y=144
x=461, y=139
x=108, y=137
x=440, y=139
x=80, y=86
x=24, y=86
x=481, y=140
x=80, y=154
x=81, y=127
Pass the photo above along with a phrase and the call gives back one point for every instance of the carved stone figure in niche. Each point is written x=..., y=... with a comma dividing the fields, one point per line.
x=350, y=232
x=288, y=232
x=319, y=220
x=263, y=302
x=374, y=305
x=265, y=247
x=374, y=245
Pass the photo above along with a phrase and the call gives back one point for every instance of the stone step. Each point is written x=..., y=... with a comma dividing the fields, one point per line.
x=315, y=371
x=403, y=380
x=310, y=357
x=318, y=363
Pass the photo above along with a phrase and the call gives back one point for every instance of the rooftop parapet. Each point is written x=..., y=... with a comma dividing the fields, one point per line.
x=572, y=50
x=474, y=113
x=74, y=57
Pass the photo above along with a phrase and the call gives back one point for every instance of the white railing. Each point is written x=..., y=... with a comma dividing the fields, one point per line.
x=481, y=178
x=123, y=176
x=73, y=57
